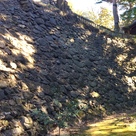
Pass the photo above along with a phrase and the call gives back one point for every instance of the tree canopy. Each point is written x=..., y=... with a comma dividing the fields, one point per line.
x=129, y=14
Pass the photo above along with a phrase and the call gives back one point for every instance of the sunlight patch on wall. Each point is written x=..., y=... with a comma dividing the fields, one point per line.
x=112, y=72
x=22, y=47
x=131, y=83
x=133, y=60
x=16, y=54
x=3, y=67
x=5, y=17
x=94, y=94
x=121, y=57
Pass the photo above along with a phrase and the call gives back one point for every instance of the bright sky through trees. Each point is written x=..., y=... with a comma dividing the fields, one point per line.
x=86, y=5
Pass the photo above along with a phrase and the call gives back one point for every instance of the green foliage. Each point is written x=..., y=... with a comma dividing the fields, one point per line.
x=129, y=14
x=62, y=118
x=105, y=18
x=70, y=5
x=92, y=15
x=42, y=117
x=69, y=114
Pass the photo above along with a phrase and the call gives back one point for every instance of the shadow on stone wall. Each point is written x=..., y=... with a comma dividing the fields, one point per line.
x=55, y=71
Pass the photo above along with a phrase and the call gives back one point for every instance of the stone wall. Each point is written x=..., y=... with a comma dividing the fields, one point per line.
x=49, y=65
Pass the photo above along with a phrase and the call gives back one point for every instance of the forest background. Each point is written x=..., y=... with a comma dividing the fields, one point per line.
x=101, y=12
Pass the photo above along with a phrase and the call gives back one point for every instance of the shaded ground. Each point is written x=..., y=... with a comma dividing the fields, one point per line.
x=58, y=72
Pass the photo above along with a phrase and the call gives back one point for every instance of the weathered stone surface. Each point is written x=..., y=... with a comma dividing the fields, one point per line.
x=2, y=43
x=27, y=122
x=3, y=84
x=2, y=94
x=48, y=61
x=39, y=21
x=53, y=21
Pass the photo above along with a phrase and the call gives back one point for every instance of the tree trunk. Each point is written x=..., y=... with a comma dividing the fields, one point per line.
x=62, y=5
x=116, y=17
